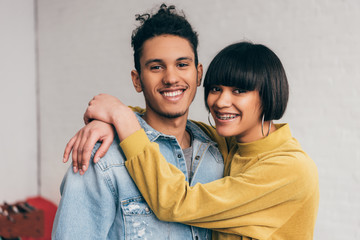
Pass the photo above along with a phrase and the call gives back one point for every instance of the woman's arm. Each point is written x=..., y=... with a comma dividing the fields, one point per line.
x=263, y=197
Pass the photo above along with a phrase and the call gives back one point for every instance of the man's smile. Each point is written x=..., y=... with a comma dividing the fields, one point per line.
x=172, y=93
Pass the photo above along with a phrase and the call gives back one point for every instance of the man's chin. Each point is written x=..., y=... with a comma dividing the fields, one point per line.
x=172, y=115
x=168, y=112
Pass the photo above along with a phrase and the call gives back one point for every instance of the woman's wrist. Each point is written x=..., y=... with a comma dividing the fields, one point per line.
x=125, y=123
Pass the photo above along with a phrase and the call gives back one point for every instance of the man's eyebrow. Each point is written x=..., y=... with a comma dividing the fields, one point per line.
x=185, y=58
x=155, y=60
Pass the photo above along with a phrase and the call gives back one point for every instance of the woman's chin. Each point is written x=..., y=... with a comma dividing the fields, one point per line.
x=225, y=132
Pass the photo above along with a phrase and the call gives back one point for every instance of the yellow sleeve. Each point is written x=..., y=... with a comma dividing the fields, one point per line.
x=256, y=201
x=137, y=109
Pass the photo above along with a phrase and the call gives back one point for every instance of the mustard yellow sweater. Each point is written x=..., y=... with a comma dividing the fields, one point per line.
x=270, y=190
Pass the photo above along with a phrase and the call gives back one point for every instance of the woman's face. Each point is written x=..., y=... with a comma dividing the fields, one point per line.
x=236, y=112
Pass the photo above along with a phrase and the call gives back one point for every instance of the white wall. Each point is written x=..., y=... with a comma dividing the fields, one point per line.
x=18, y=138
x=84, y=49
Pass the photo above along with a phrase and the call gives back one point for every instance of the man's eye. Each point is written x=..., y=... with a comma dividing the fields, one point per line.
x=155, y=67
x=183, y=65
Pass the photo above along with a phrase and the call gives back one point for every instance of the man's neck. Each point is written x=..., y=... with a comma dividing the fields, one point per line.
x=170, y=126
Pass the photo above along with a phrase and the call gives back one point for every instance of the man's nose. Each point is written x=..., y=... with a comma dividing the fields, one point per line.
x=171, y=76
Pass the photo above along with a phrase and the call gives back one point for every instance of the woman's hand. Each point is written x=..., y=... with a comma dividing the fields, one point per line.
x=82, y=144
x=111, y=110
x=105, y=108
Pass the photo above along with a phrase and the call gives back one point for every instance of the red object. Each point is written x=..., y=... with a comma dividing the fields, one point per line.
x=21, y=219
x=49, y=209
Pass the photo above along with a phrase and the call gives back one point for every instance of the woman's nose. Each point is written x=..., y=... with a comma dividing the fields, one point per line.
x=224, y=100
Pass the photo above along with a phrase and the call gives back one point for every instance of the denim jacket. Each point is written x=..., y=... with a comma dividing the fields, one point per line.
x=105, y=203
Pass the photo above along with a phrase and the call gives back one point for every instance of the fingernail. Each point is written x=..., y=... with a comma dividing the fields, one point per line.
x=97, y=159
x=64, y=159
x=84, y=168
x=75, y=169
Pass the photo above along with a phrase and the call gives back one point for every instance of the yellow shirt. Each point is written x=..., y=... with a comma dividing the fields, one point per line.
x=270, y=190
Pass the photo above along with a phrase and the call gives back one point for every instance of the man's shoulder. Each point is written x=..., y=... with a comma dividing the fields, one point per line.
x=198, y=131
x=209, y=134
x=113, y=157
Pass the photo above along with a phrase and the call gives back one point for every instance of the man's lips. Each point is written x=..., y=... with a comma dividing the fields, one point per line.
x=172, y=93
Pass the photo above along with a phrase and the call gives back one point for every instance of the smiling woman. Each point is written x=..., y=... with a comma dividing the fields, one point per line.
x=245, y=89
x=236, y=112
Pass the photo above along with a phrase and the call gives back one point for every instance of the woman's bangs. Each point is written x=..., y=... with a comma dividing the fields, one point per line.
x=231, y=72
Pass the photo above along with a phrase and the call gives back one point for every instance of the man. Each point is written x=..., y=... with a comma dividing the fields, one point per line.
x=104, y=203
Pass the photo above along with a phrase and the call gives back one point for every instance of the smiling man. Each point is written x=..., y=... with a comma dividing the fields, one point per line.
x=168, y=78
x=105, y=203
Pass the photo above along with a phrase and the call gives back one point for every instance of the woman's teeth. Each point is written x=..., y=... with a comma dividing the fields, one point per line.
x=226, y=116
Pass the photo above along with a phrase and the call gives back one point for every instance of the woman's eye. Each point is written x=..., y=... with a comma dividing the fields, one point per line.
x=214, y=89
x=238, y=91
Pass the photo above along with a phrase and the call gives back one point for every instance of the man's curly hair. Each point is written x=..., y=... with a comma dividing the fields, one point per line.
x=166, y=21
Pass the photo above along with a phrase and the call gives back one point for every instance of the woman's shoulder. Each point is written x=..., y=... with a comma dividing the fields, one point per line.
x=296, y=162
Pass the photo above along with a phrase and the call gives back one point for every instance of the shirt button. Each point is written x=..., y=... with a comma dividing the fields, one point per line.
x=179, y=155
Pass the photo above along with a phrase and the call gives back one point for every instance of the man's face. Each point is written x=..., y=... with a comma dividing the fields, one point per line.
x=169, y=77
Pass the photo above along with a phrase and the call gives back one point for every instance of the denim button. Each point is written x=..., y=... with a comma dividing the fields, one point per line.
x=179, y=155
x=197, y=157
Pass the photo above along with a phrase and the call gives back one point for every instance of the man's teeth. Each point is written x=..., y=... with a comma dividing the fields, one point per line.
x=172, y=94
x=226, y=116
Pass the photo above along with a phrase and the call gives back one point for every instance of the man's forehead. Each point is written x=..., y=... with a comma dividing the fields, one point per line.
x=167, y=47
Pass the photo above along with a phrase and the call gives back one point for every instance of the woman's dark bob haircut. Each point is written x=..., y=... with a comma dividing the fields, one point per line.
x=251, y=67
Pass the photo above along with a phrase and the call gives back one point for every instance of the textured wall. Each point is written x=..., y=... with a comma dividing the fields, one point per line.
x=84, y=49
x=18, y=141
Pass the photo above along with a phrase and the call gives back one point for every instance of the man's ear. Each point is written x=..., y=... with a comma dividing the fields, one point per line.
x=135, y=76
x=199, y=74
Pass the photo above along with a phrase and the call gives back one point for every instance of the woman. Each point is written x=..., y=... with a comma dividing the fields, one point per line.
x=270, y=189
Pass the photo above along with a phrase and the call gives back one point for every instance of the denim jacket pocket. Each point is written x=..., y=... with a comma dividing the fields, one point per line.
x=135, y=206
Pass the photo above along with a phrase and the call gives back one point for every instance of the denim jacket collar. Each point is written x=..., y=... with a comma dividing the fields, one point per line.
x=192, y=127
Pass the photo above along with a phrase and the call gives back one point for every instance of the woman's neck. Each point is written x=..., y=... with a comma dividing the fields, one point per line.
x=256, y=133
